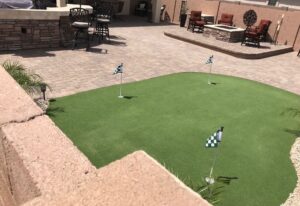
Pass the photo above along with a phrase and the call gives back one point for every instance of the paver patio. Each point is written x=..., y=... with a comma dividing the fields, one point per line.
x=146, y=52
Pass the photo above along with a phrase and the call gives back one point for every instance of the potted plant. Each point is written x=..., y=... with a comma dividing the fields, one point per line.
x=183, y=14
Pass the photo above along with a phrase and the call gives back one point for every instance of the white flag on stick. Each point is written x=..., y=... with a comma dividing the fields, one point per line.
x=119, y=70
x=210, y=61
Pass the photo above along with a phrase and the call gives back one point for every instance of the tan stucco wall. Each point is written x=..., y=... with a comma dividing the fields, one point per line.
x=288, y=30
x=22, y=185
x=135, y=180
x=6, y=198
x=290, y=23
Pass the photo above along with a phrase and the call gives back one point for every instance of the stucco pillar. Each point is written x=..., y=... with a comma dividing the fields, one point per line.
x=61, y=3
x=156, y=5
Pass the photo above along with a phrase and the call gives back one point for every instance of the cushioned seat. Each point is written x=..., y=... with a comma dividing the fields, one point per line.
x=79, y=24
x=196, y=22
x=103, y=20
x=226, y=19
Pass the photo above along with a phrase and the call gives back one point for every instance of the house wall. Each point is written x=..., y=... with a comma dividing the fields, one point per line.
x=288, y=32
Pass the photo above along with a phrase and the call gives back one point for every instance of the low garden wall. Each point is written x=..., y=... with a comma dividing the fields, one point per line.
x=30, y=29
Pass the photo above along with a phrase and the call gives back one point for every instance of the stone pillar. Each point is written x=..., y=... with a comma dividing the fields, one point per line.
x=61, y=3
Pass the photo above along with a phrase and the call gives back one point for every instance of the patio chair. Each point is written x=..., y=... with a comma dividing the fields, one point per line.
x=254, y=35
x=226, y=19
x=80, y=22
x=196, y=22
x=103, y=14
x=141, y=8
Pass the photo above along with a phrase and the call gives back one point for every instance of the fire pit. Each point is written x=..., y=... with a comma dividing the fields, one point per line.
x=224, y=32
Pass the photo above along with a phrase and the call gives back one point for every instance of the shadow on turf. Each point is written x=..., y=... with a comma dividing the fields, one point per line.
x=294, y=113
x=54, y=110
x=293, y=131
x=214, y=83
x=129, y=97
x=51, y=111
x=226, y=180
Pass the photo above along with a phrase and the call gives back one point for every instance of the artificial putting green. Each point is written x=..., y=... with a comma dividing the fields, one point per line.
x=171, y=117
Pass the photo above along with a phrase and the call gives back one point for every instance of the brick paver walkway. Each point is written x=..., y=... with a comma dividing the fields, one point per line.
x=146, y=53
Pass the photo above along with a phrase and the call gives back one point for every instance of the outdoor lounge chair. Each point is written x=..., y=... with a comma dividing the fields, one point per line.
x=226, y=19
x=196, y=22
x=254, y=35
x=80, y=22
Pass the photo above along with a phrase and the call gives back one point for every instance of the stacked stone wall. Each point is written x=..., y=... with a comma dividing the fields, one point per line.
x=18, y=34
x=29, y=34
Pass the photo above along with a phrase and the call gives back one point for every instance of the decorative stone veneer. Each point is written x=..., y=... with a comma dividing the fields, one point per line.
x=29, y=34
x=228, y=36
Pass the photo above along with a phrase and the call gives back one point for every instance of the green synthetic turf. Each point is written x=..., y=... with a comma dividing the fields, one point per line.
x=171, y=117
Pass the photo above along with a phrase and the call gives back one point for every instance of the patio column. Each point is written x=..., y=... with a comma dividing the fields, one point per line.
x=61, y=3
x=156, y=5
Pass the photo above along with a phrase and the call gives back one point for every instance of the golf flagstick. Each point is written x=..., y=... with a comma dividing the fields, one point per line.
x=121, y=82
x=213, y=142
x=210, y=62
x=118, y=70
x=210, y=180
x=210, y=68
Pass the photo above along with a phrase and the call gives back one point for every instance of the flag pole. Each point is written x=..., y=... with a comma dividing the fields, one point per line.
x=121, y=81
x=213, y=164
x=210, y=180
x=210, y=68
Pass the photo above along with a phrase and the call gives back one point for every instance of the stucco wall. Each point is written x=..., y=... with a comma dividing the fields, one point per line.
x=22, y=186
x=289, y=26
x=134, y=180
x=6, y=198
x=287, y=34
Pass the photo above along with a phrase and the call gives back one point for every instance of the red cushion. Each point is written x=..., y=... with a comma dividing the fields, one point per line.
x=200, y=23
x=195, y=15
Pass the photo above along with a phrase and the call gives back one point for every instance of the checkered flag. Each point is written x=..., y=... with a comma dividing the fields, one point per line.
x=119, y=69
x=210, y=60
x=214, y=139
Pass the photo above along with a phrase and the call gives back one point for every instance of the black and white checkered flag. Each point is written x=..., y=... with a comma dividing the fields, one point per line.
x=119, y=69
x=214, y=139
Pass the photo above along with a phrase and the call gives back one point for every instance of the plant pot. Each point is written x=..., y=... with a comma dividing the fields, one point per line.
x=182, y=19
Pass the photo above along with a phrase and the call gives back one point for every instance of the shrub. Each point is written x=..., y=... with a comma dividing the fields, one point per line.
x=31, y=83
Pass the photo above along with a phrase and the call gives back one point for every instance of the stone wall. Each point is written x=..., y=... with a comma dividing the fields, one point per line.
x=28, y=34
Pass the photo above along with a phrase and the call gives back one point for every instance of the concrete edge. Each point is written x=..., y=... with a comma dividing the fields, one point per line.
x=241, y=55
x=294, y=197
x=176, y=179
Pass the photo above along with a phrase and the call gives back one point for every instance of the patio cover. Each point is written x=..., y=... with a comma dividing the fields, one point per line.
x=16, y=4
